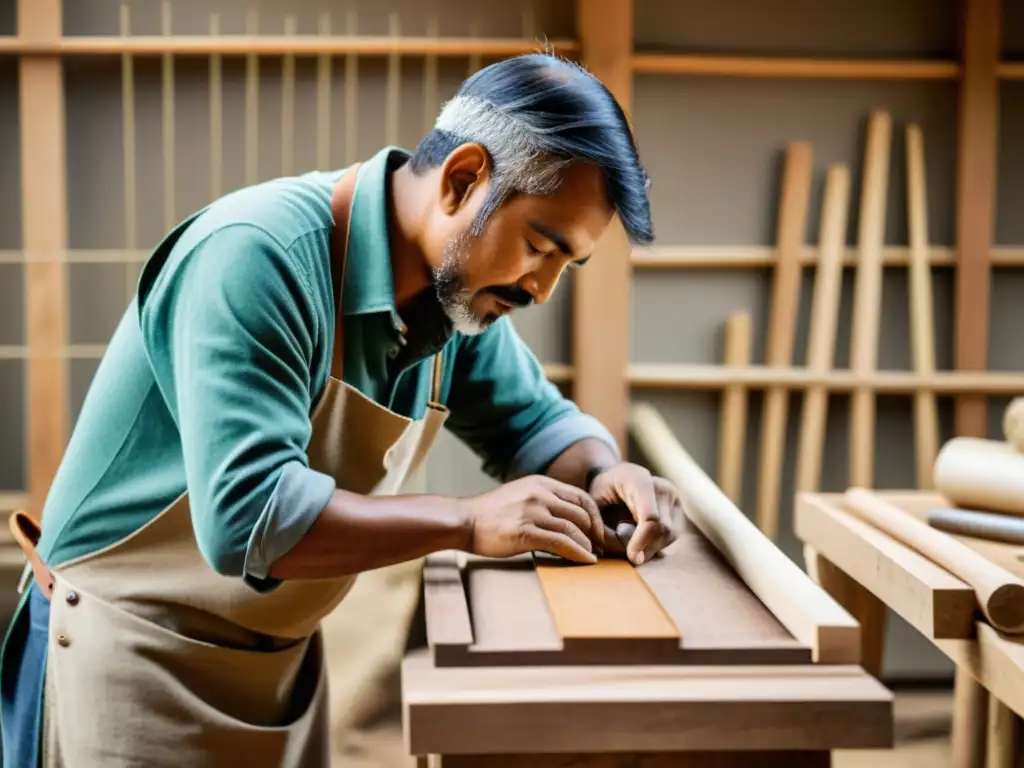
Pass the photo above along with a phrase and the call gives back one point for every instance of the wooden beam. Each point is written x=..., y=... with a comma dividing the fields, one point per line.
x=44, y=236
x=976, y=190
x=601, y=292
x=817, y=68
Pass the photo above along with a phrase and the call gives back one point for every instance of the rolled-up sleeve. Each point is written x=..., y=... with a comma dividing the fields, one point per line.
x=504, y=408
x=230, y=330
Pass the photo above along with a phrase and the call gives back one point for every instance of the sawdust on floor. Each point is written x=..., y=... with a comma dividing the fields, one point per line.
x=921, y=735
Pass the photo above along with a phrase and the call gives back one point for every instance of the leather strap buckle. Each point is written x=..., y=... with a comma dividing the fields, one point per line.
x=26, y=531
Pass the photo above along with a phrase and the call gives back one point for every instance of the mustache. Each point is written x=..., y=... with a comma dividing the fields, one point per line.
x=511, y=294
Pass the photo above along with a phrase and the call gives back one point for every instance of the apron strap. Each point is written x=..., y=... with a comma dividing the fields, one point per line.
x=341, y=211
x=435, y=390
x=26, y=532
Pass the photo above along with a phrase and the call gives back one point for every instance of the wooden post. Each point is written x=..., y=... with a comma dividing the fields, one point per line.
x=44, y=240
x=601, y=291
x=976, y=190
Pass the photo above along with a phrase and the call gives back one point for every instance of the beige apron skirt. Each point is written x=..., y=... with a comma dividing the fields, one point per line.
x=156, y=660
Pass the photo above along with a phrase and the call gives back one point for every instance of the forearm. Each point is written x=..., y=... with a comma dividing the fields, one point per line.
x=357, y=533
x=581, y=461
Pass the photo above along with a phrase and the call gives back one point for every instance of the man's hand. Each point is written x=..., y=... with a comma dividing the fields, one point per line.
x=535, y=513
x=654, y=512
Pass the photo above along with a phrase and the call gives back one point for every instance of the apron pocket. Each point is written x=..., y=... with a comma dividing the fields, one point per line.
x=126, y=691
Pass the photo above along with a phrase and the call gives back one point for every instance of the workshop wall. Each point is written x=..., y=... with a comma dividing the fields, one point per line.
x=713, y=145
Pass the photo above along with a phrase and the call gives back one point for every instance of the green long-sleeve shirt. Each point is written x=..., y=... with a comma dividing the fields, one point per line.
x=210, y=379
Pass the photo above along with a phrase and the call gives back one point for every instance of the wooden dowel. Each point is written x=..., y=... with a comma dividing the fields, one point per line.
x=754, y=66
x=1013, y=423
x=803, y=608
x=288, y=103
x=394, y=85
x=761, y=256
x=216, y=117
x=867, y=296
x=128, y=141
x=252, y=103
x=1000, y=593
x=734, y=408
x=170, y=218
x=324, y=66
x=278, y=45
x=785, y=303
x=926, y=415
x=431, y=99
x=977, y=473
x=821, y=344
x=351, y=93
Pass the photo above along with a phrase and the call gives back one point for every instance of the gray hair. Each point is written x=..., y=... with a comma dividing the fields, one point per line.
x=520, y=162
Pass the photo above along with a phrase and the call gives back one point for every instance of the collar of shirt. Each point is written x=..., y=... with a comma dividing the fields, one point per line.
x=369, y=283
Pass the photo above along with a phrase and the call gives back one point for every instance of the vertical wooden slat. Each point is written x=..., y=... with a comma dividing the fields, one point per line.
x=168, y=112
x=733, y=424
x=131, y=240
x=288, y=103
x=601, y=291
x=216, y=117
x=351, y=93
x=394, y=84
x=976, y=190
x=44, y=240
x=430, y=87
x=323, y=101
x=474, y=58
x=252, y=104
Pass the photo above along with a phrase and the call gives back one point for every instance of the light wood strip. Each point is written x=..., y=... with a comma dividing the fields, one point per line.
x=170, y=219
x=970, y=717
x=474, y=55
x=780, y=67
x=12, y=500
x=131, y=193
x=324, y=74
x=394, y=86
x=431, y=99
x=445, y=605
x=757, y=256
x=785, y=304
x=252, y=102
x=351, y=93
x=251, y=43
x=579, y=598
x=288, y=103
x=978, y=125
x=821, y=344
x=867, y=295
x=1001, y=736
x=804, y=609
x=926, y=415
x=216, y=117
x=733, y=429
x=601, y=293
x=44, y=232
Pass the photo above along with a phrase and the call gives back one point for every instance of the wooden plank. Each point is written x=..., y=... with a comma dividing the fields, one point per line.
x=492, y=710
x=601, y=292
x=44, y=236
x=605, y=600
x=779, y=66
x=447, y=613
x=785, y=304
x=929, y=598
x=804, y=609
x=977, y=150
x=717, y=759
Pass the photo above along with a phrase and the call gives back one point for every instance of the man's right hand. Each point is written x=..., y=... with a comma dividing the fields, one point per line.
x=536, y=513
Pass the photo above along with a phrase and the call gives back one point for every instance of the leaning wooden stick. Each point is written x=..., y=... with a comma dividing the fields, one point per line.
x=809, y=613
x=792, y=224
x=867, y=297
x=734, y=408
x=821, y=344
x=926, y=417
x=1000, y=593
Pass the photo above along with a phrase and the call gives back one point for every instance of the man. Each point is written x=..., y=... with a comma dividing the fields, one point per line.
x=292, y=351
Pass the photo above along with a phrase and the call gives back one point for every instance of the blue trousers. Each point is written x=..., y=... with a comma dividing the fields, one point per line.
x=24, y=671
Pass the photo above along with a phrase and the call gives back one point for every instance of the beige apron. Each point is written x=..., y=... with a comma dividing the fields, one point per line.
x=156, y=660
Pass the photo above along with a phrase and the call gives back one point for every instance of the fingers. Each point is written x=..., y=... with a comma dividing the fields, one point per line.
x=640, y=497
x=582, y=500
x=564, y=518
x=559, y=544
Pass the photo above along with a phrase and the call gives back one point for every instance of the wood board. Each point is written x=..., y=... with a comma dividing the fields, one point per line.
x=487, y=612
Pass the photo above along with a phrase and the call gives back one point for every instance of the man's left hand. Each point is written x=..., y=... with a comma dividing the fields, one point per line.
x=651, y=513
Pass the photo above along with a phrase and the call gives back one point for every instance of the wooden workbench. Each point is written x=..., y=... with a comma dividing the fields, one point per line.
x=868, y=571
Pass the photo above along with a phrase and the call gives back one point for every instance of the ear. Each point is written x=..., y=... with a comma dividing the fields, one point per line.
x=465, y=171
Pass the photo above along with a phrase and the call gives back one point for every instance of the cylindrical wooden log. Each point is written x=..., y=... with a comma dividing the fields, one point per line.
x=979, y=525
x=1013, y=423
x=981, y=474
x=1000, y=593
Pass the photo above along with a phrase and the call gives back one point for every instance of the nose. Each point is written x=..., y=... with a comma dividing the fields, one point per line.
x=541, y=283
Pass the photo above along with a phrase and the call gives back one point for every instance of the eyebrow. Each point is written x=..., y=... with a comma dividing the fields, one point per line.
x=556, y=237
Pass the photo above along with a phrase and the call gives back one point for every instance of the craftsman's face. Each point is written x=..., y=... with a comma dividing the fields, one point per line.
x=525, y=246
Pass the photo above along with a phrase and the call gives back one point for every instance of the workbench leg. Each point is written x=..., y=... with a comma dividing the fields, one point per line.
x=643, y=760
x=868, y=610
x=1001, y=741
x=970, y=715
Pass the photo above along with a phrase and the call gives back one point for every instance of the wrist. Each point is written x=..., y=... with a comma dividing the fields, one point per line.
x=463, y=522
